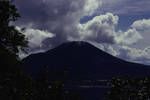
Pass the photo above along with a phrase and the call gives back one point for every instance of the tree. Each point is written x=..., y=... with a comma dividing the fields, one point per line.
x=10, y=38
x=49, y=86
x=129, y=89
x=14, y=84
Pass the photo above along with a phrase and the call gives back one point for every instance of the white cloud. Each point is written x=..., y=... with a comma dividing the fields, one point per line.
x=36, y=37
x=91, y=5
x=142, y=25
x=135, y=54
x=100, y=28
x=125, y=41
x=127, y=53
x=106, y=48
x=131, y=36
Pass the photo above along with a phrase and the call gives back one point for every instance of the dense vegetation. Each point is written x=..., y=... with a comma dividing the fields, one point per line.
x=129, y=89
x=13, y=83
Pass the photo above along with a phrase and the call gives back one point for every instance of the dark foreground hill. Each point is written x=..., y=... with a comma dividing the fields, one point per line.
x=81, y=60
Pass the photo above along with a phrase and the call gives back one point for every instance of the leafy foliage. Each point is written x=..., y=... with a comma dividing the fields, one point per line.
x=14, y=84
x=10, y=38
x=129, y=89
x=53, y=89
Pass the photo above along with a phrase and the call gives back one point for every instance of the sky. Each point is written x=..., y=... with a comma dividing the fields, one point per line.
x=119, y=27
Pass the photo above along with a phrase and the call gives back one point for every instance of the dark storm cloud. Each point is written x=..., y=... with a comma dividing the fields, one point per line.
x=57, y=16
x=63, y=20
x=50, y=12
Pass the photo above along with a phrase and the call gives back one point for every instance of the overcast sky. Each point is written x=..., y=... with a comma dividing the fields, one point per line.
x=120, y=27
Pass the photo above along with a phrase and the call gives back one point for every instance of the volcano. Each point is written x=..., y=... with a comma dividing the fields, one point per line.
x=79, y=65
x=82, y=61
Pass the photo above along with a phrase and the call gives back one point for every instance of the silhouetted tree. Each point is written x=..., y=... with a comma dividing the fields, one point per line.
x=50, y=85
x=129, y=89
x=14, y=84
x=10, y=38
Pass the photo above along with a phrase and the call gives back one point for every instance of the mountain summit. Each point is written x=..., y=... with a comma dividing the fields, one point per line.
x=81, y=60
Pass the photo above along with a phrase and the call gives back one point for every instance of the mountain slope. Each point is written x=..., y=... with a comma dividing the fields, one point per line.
x=81, y=60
